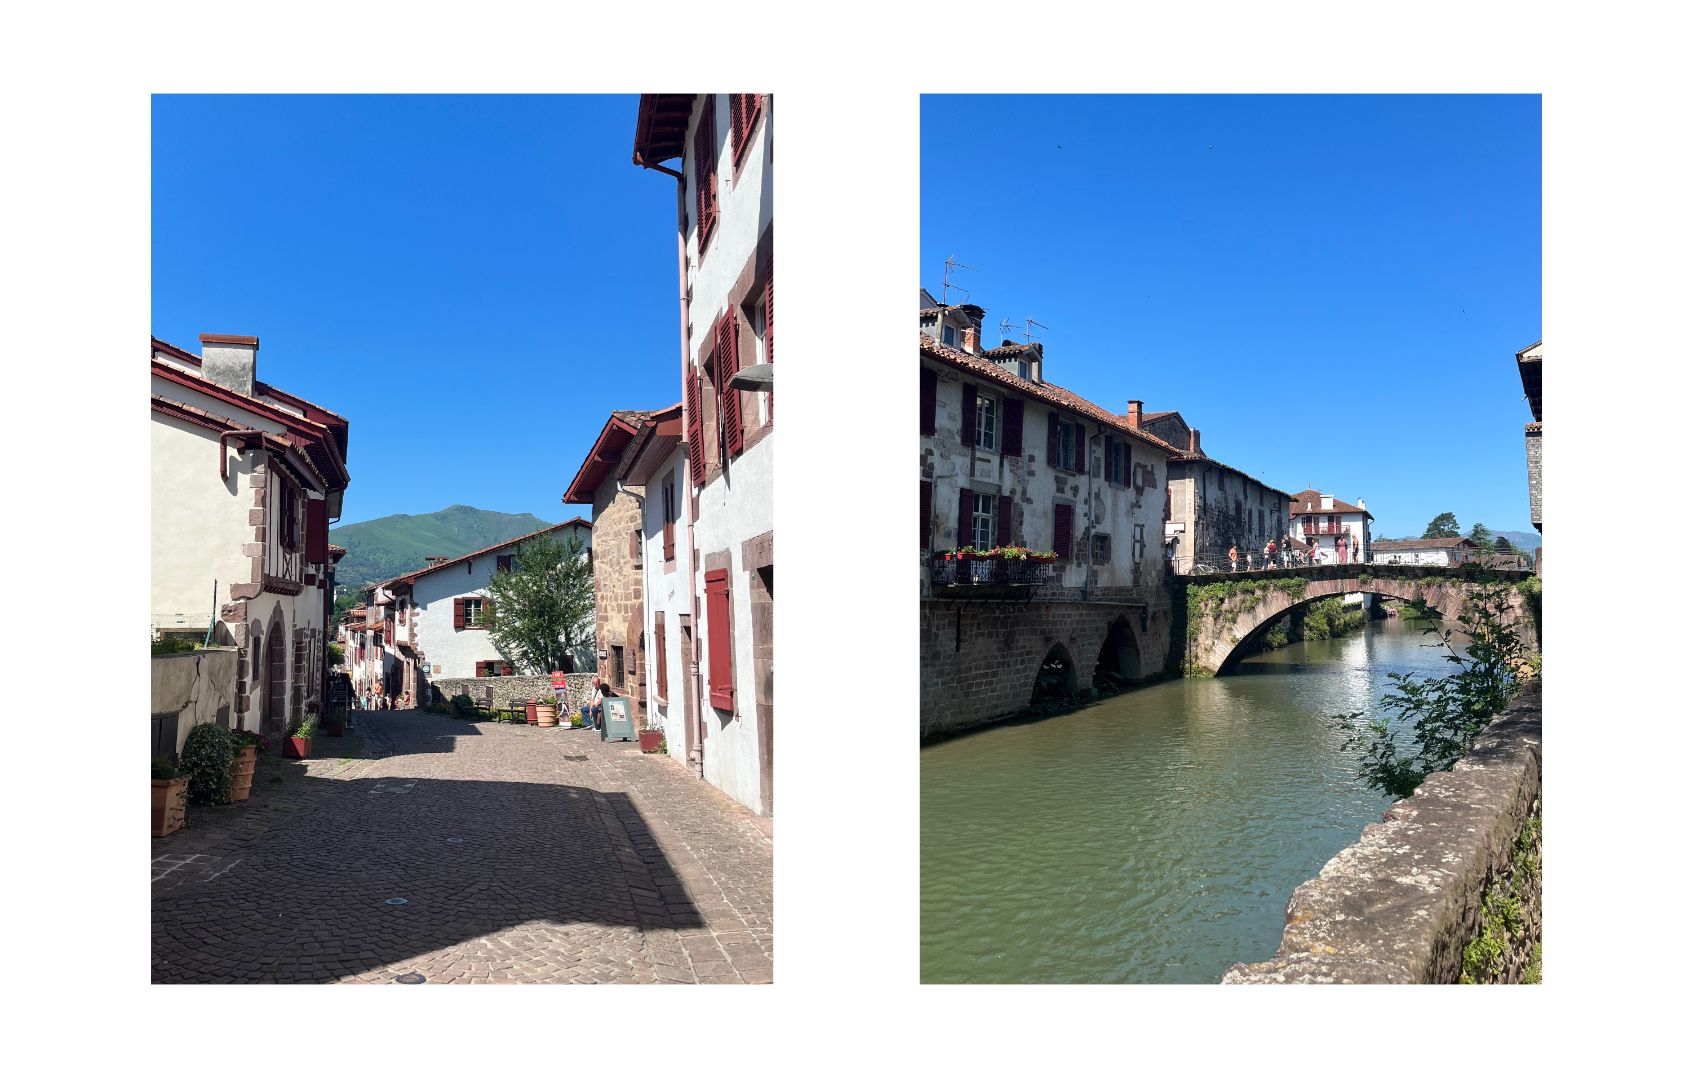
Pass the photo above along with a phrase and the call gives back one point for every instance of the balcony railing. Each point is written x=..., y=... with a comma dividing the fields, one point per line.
x=967, y=572
x=1324, y=529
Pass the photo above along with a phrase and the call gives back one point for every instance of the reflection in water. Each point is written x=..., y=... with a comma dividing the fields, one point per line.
x=1155, y=836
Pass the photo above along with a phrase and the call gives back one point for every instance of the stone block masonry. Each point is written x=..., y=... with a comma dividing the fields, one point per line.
x=1400, y=905
x=502, y=692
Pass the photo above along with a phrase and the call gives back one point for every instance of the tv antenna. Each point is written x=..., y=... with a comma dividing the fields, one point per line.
x=1029, y=324
x=952, y=263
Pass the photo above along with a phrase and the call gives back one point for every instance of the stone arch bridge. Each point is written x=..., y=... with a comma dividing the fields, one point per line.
x=1227, y=614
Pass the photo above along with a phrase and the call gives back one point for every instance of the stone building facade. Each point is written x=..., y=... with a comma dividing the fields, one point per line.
x=1528, y=368
x=1009, y=461
x=1211, y=506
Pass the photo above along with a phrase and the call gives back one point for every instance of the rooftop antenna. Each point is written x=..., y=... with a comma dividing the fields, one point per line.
x=1029, y=324
x=952, y=263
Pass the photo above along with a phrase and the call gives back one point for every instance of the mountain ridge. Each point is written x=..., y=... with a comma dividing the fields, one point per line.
x=389, y=546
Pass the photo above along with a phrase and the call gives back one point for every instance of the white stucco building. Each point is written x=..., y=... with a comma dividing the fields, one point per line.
x=427, y=623
x=1340, y=530
x=246, y=479
x=725, y=266
x=1422, y=551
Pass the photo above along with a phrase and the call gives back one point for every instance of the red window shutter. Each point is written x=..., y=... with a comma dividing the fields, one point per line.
x=1052, y=425
x=661, y=664
x=458, y=613
x=696, y=428
x=505, y=669
x=1110, y=461
x=737, y=122
x=728, y=362
x=1002, y=536
x=967, y=429
x=1063, y=521
x=317, y=531
x=705, y=170
x=926, y=383
x=966, y=513
x=926, y=513
x=1011, y=439
x=669, y=522
x=718, y=639
x=479, y=668
x=770, y=320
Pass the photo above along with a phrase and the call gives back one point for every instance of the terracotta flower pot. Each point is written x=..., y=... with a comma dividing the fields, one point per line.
x=297, y=748
x=241, y=771
x=650, y=740
x=170, y=805
x=545, y=714
x=529, y=710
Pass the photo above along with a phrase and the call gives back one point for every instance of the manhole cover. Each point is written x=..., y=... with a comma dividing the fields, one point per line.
x=409, y=978
x=394, y=901
x=456, y=841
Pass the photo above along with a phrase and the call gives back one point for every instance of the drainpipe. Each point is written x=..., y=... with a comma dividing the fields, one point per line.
x=1097, y=436
x=223, y=447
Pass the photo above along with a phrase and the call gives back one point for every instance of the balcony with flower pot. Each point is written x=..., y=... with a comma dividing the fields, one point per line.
x=953, y=572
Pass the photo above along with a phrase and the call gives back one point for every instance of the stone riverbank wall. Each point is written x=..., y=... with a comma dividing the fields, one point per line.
x=1400, y=905
x=502, y=692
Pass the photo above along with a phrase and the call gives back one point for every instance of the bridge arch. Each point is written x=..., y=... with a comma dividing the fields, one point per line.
x=1221, y=628
x=1119, y=662
x=1055, y=678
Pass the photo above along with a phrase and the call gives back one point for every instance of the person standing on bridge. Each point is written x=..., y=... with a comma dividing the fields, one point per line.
x=1234, y=559
x=1270, y=554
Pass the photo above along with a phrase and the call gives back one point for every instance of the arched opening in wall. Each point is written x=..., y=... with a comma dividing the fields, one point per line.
x=1119, y=659
x=1055, y=680
x=276, y=681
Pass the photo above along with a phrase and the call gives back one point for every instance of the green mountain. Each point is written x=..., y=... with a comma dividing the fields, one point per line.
x=1524, y=540
x=388, y=546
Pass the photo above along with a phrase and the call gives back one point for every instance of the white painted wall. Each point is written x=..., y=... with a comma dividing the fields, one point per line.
x=667, y=596
x=1037, y=488
x=199, y=523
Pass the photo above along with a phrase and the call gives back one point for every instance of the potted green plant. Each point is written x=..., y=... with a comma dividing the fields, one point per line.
x=546, y=711
x=299, y=743
x=208, y=756
x=241, y=768
x=170, y=797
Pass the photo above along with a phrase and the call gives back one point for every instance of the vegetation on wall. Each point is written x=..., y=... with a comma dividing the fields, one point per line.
x=1432, y=721
x=1504, y=909
x=1228, y=597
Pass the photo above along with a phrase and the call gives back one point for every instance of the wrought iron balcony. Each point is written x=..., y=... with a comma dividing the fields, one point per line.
x=978, y=571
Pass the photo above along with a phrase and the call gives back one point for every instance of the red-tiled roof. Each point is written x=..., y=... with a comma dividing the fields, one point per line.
x=1311, y=501
x=661, y=127
x=615, y=436
x=1047, y=392
x=411, y=577
x=1388, y=546
x=1201, y=458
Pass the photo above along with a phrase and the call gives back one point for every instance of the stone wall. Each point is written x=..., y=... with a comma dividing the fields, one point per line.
x=617, y=590
x=979, y=659
x=1532, y=439
x=189, y=689
x=1400, y=904
x=502, y=692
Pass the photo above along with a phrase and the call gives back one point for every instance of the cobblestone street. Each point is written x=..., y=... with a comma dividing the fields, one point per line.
x=522, y=856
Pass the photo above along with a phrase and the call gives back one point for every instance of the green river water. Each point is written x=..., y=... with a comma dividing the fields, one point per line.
x=1156, y=836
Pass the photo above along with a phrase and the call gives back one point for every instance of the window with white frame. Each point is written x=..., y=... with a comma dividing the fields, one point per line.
x=1139, y=551
x=984, y=521
x=473, y=611
x=987, y=423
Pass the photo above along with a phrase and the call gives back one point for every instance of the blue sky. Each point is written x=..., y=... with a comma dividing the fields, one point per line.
x=474, y=282
x=1331, y=288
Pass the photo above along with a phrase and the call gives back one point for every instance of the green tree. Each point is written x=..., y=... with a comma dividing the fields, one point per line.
x=1482, y=536
x=542, y=608
x=1435, y=720
x=1444, y=526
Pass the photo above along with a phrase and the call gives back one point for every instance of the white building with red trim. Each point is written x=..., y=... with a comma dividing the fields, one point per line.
x=725, y=267
x=1340, y=530
x=428, y=623
x=246, y=479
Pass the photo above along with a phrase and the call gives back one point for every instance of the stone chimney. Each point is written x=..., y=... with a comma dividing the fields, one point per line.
x=231, y=362
x=1328, y=502
x=973, y=340
x=1134, y=415
x=1362, y=506
x=1193, y=441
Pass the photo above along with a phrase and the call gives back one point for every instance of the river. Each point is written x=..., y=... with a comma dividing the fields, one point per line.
x=1154, y=837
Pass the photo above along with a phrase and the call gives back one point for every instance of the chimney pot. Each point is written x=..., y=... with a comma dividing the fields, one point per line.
x=1193, y=441
x=230, y=361
x=1134, y=414
x=1328, y=501
x=973, y=339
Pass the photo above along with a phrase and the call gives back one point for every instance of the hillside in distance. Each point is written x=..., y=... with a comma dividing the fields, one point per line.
x=388, y=546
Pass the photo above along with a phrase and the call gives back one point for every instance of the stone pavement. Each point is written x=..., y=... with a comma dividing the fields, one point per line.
x=523, y=856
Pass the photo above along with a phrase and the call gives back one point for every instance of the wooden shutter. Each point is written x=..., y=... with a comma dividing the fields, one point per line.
x=728, y=362
x=737, y=122
x=502, y=563
x=669, y=522
x=458, y=613
x=696, y=429
x=721, y=665
x=317, y=531
x=770, y=321
x=1002, y=534
x=926, y=511
x=1052, y=425
x=1063, y=522
x=661, y=664
x=966, y=511
x=926, y=384
x=967, y=428
x=705, y=170
x=1011, y=437
x=1110, y=461
x=481, y=668
x=487, y=610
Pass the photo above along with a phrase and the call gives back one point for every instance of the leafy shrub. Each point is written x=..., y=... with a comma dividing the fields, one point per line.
x=163, y=768
x=463, y=705
x=172, y=645
x=307, y=727
x=206, y=756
